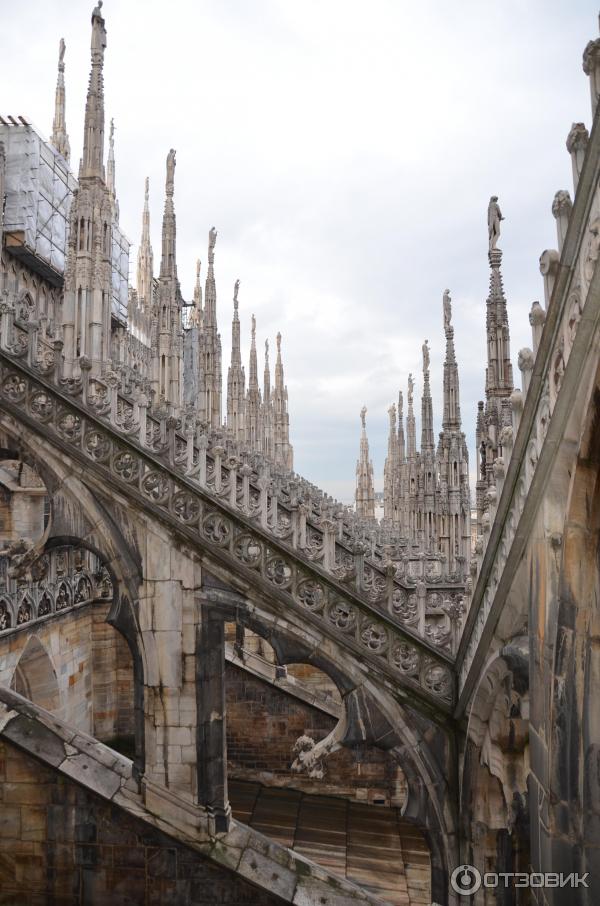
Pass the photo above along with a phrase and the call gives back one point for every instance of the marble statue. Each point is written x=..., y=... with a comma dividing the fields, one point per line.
x=447, y=303
x=170, y=172
x=98, y=30
x=425, y=349
x=494, y=218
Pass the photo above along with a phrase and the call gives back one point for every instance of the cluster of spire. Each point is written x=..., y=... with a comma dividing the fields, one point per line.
x=426, y=493
x=426, y=501
x=176, y=361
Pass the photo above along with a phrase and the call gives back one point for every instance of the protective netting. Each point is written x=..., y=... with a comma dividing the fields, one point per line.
x=39, y=189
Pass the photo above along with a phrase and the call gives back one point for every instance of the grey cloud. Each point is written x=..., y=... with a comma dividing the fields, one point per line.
x=346, y=160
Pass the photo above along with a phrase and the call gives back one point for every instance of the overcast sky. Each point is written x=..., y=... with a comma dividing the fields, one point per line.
x=346, y=153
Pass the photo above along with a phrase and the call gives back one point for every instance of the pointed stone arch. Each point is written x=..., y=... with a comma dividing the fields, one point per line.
x=35, y=677
x=89, y=524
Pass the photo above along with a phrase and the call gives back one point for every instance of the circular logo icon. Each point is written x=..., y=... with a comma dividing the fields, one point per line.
x=465, y=880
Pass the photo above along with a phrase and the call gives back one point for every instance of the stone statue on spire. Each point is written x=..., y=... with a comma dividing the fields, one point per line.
x=425, y=350
x=61, y=55
x=363, y=416
x=170, y=183
x=447, y=304
x=212, y=238
x=411, y=389
x=494, y=218
x=236, y=287
x=98, y=30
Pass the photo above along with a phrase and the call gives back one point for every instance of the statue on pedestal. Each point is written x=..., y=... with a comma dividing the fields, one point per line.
x=494, y=218
x=447, y=303
x=425, y=349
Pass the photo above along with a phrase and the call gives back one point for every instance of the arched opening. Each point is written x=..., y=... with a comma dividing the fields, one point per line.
x=343, y=810
x=113, y=663
x=35, y=678
x=112, y=693
x=495, y=825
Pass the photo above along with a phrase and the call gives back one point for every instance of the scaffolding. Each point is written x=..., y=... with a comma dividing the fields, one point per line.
x=39, y=189
x=120, y=274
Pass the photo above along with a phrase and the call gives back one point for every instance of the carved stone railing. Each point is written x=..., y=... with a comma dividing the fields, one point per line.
x=414, y=591
x=551, y=372
x=54, y=582
x=233, y=521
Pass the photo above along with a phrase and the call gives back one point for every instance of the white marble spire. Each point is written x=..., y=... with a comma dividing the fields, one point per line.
x=92, y=163
x=59, y=137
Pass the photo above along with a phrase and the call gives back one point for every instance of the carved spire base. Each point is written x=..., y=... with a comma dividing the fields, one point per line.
x=495, y=258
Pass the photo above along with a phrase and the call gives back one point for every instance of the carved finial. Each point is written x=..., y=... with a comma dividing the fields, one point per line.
x=363, y=417
x=425, y=351
x=253, y=328
x=266, y=352
x=400, y=404
x=562, y=204
x=411, y=390
x=447, y=305
x=170, y=183
x=494, y=218
x=278, y=343
x=147, y=192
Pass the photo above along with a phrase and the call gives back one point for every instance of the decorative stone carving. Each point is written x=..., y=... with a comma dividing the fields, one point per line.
x=593, y=248
x=306, y=760
x=561, y=209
